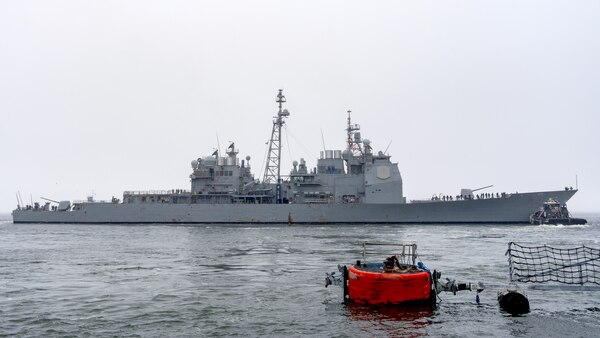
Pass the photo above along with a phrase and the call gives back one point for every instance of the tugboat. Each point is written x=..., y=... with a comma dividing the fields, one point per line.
x=399, y=280
x=552, y=212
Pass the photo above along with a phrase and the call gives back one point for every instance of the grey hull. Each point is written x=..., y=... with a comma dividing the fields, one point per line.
x=515, y=208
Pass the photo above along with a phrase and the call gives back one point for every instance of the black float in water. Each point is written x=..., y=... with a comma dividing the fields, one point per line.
x=513, y=301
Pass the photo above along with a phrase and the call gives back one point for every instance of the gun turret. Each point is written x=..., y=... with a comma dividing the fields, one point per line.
x=469, y=192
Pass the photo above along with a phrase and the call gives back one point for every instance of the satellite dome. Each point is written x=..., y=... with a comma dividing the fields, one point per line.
x=194, y=164
x=295, y=163
x=248, y=158
x=367, y=142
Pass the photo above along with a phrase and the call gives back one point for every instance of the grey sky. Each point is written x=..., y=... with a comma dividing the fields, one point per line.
x=105, y=96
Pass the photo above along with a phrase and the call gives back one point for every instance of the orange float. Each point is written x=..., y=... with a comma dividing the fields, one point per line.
x=399, y=280
x=369, y=286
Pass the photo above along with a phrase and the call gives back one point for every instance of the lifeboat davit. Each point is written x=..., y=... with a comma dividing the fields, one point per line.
x=367, y=285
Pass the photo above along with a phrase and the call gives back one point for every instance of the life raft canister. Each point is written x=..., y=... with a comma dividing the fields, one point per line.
x=388, y=288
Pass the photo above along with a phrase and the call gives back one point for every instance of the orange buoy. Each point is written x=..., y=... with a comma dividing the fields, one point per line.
x=370, y=287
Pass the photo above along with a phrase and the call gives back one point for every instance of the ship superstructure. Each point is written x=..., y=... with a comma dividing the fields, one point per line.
x=356, y=185
x=354, y=175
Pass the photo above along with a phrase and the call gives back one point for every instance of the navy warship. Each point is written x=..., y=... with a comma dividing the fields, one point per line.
x=356, y=185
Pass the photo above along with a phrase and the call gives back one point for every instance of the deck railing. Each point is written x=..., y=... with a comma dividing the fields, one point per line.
x=406, y=253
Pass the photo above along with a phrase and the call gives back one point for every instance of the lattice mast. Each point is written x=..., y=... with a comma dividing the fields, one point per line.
x=273, y=168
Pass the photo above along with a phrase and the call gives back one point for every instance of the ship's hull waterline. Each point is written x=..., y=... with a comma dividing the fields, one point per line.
x=515, y=208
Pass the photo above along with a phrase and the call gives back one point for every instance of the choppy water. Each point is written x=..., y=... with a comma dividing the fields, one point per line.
x=168, y=280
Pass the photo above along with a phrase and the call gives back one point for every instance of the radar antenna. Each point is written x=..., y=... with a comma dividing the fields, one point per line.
x=354, y=141
x=273, y=168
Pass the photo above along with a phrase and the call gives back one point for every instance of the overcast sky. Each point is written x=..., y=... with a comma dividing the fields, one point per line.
x=105, y=96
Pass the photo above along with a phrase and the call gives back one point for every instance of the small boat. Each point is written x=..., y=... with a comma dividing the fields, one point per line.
x=552, y=212
x=399, y=280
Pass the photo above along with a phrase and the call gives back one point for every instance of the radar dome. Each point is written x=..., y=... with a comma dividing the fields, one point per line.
x=295, y=163
x=367, y=142
x=248, y=158
x=194, y=164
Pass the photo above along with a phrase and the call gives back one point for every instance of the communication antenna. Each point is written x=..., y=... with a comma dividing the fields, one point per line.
x=273, y=168
x=323, y=139
x=218, y=146
x=386, y=148
x=354, y=142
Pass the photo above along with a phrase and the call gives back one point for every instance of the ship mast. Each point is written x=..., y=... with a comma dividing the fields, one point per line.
x=354, y=141
x=273, y=168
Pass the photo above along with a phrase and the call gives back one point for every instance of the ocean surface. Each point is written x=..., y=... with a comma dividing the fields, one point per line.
x=170, y=280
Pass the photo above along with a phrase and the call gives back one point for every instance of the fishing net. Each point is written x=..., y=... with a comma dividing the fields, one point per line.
x=538, y=264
